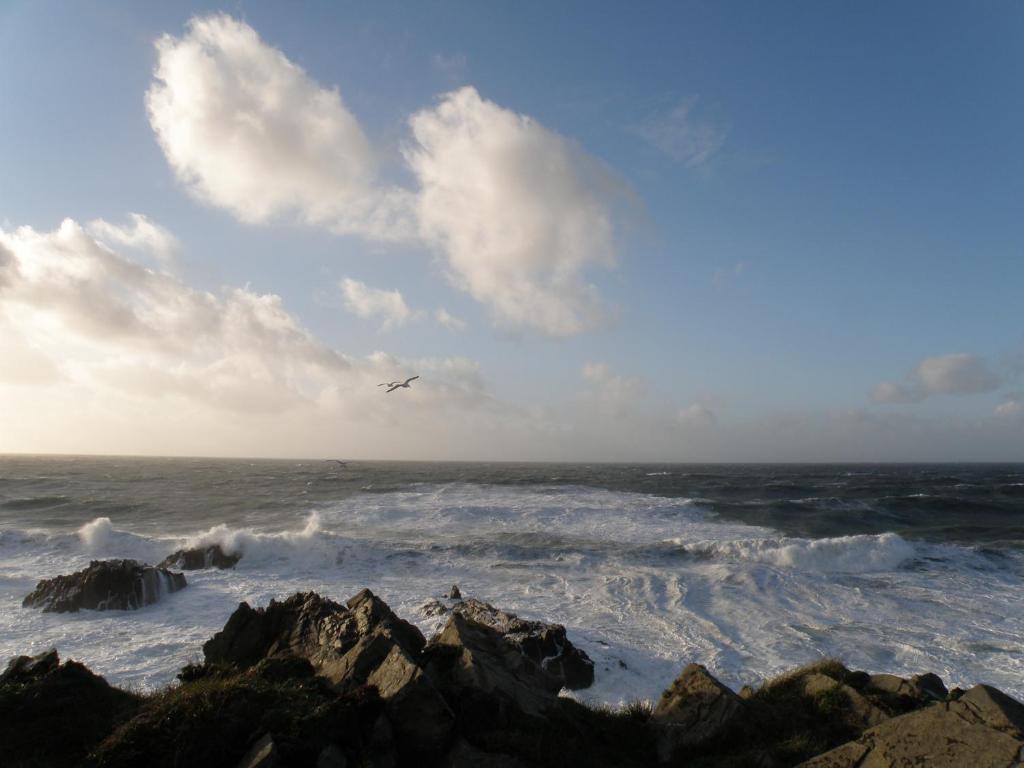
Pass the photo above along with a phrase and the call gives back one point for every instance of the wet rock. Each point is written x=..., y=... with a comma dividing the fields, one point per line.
x=105, y=585
x=694, y=710
x=433, y=609
x=53, y=713
x=471, y=657
x=546, y=644
x=454, y=593
x=198, y=558
x=983, y=729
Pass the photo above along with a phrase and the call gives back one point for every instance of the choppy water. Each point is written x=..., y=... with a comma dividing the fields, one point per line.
x=747, y=569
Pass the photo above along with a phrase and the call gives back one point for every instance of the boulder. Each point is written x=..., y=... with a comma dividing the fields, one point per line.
x=53, y=713
x=197, y=558
x=105, y=585
x=471, y=657
x=857, y=710
x=342, y=642
x=545, y=643
x=926, y=687
x=465, y=755
x=454, y=593
x=982, y=729
x=694, y=710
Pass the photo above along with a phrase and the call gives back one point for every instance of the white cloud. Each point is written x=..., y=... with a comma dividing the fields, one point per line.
x=516, y=209
x=247, y=130
x=1011, y=409
x=683, y=136
x=954, y=374
x=366, y=302
x=448, y=320
x=142, y=236
x=611, y=393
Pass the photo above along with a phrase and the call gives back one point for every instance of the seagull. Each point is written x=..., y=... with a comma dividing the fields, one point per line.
x=339, y=462
x=398, y=385
x=389, y=383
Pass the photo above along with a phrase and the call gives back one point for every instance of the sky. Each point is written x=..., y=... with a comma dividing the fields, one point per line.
x=674, y=232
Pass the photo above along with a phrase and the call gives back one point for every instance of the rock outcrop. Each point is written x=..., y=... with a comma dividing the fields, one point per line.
x=53, y=713
x=695, y=709
x=360, y=643
x=198, y=558
x=105, y=585
x=544, y=643
x=984, y=728
x=468, y=656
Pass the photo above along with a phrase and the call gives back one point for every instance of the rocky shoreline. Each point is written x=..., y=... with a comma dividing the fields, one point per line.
x=307, y=681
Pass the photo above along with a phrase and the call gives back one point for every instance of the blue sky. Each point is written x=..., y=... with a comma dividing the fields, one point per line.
x=815, y=209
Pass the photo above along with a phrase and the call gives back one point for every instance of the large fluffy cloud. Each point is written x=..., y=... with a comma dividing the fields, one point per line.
x=366, y=302
x=954, y=374
x=247, y=130
x=517, y=210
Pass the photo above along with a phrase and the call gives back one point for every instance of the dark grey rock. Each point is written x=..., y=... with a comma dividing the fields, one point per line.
x=200, y=557
x=105, y=585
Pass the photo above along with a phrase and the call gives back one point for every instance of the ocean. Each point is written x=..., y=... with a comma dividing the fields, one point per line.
x=747, y=569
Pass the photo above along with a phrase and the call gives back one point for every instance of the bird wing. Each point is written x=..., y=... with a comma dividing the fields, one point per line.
x=412, y=378
x=394, y=387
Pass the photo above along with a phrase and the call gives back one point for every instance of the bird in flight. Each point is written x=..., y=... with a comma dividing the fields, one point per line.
x=388, y=383
x=398, y=384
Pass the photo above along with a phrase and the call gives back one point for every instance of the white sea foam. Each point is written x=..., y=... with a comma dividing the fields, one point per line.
x=644, y=585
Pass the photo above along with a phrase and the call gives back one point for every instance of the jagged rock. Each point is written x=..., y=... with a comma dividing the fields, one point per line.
x=262, y=755
x=454, y=593
x=105, y=585
x=983, y=729
x=857, y=710
x=695, y=709
x=340, y=641
x=200, y=557
x=419, y=715
x=433, y=609
x=546, y=644
x=22, y=670
x=53, y=713
x=473, y=656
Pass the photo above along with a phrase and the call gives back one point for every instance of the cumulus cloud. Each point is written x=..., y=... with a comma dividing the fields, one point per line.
x=245, y=129
x=517, y=211
x=954, y=374
x=366, y=302
x=446, y=319
x=141, y=236
x=1012, y=408
x=683, y=135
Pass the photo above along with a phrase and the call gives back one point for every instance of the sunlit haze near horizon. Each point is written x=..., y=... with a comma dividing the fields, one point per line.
x=594, y=231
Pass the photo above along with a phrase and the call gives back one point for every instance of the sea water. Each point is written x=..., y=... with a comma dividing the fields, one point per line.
x=747, y=569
